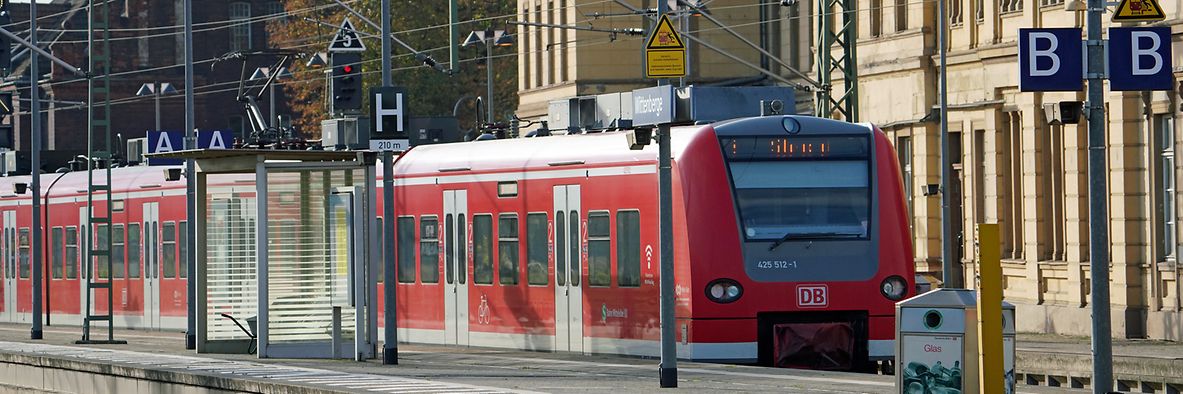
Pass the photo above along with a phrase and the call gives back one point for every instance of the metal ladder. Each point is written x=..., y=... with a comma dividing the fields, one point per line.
x=99, y=91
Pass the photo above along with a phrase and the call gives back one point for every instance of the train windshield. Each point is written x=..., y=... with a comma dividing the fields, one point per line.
x=801, y=187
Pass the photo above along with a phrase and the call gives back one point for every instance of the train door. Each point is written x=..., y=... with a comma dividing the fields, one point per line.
x=568, y=263
x=9, y=258
x=151, y=240
x=455, y=267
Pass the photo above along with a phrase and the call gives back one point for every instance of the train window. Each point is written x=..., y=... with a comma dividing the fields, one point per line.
x=482, y=249
x=117, y=258
x=406, y=249
x=429, y=249
x=133, y=249
x=381, y=252
x=56, y=252
x=24, y=252
x=599, y=238
x=71, y=253
x=462, y=252
x=101, y=236
x=573, y=247
x=628, y=248
x=449, y=249
x=560, y=247
x=168, y=250
x=183, y=241
x=536, y=249
x=508, y=254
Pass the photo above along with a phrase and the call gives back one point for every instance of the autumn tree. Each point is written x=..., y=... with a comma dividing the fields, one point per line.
x=422, y=25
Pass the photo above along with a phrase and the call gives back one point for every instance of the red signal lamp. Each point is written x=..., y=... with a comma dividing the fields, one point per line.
x=348, y=69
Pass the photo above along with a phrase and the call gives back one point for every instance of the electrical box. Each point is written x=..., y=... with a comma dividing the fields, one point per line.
x=345, y=133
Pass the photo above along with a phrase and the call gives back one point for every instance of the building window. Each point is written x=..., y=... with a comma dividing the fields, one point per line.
x=275, y=13
x=599, y=239
x=955, y=16
x=980, y=11
x=429, y=249
x=628, y=248
x=1010, y=6
x=507, y=249
x=240, y=26
x=536, y=249
x=482, y=249
x=1044, y=3
x=1011, y=168
x=876, y=17
x=904, y=151
x=406, y=249
x=1054, y=195
x=1164, y=147
x=901, y=15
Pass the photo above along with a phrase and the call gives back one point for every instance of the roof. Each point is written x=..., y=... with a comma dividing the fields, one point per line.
x=517, y=154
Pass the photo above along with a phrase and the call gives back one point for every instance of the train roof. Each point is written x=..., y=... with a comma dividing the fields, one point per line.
x=124, y=179
x=593, y=149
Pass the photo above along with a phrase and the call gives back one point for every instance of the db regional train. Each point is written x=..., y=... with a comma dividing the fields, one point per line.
x=792, y=244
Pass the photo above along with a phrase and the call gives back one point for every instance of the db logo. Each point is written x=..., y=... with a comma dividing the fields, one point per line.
x=813, y=296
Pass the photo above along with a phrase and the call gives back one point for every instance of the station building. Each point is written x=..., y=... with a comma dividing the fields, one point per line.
x=1010, y=165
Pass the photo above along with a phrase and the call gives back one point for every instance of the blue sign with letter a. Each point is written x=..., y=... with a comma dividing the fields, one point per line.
x=1050, y=60
x=169, y=141
x=1140, y=58
x=165, y=141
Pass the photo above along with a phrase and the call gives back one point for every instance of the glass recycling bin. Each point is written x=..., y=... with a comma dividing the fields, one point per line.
x=937, y=343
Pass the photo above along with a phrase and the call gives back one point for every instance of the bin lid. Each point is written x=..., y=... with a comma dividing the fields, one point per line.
x=942, y=298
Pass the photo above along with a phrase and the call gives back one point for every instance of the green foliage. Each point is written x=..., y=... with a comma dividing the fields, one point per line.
x=423, y=25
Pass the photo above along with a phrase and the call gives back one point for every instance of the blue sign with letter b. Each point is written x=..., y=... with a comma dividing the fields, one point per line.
x=1050, y=60
x=1140, y=58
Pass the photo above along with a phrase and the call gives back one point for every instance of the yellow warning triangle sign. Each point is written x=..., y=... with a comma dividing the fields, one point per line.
x=1138, y=11
x=664, y=36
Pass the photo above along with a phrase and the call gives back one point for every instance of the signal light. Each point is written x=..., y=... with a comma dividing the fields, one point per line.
x=346, y=82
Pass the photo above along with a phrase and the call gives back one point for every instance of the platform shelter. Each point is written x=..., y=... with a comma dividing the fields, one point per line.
x=286, y=252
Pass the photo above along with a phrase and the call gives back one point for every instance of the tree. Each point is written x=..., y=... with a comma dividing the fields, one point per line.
x=423, y=25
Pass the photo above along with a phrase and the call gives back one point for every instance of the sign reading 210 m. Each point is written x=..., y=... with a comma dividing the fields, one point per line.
x=1054, y=59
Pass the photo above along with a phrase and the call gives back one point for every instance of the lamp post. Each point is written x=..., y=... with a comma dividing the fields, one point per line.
x=48, y=241
x=491, y=38
x=156, y=89
x=264, y=73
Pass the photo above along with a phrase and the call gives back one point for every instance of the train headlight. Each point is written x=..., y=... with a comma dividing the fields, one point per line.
x=894, y=288
x=724, y=291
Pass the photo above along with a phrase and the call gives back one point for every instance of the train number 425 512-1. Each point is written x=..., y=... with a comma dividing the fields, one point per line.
x=775, y=264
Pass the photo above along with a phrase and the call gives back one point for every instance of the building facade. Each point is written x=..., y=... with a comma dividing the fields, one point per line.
x=1010, y=165
x=147, y=47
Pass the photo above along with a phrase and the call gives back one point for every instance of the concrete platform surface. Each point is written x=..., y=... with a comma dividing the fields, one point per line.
x=155, y=356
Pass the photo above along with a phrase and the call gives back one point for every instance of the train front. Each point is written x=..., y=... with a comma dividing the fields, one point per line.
x=799, y=242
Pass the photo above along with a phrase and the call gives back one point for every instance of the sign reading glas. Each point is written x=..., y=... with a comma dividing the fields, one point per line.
x=789, y=148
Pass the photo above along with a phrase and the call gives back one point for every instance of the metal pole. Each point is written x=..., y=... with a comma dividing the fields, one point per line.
x=157, y=99
x=489, y=74
x=390, y=345
x=35, y=132
x=668, y=371
x=271, y=92
x=950, y=264
x=453, y=35
x=1098, y=227
x=190, y=183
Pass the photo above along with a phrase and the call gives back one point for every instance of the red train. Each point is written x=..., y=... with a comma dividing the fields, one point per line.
x=792, y=244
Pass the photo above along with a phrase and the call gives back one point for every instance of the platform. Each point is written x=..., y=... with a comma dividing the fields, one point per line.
x=156, y=362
